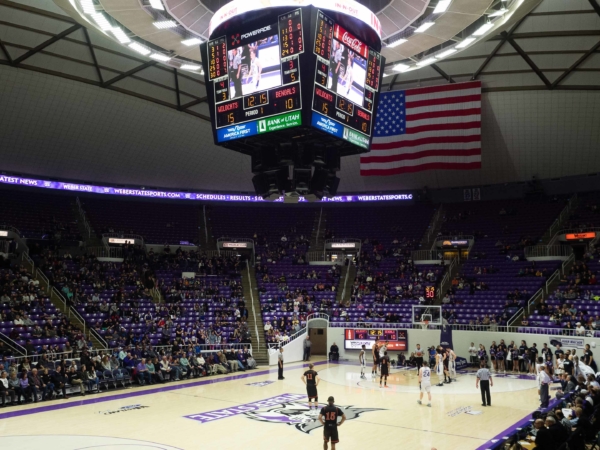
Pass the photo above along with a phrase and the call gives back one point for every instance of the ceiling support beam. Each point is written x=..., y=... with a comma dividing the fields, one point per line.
x=595, y=5
x=505, y=37
x=93, y=53
x=5, y=51
x=531, y=64
x=192, y=103
x=131, y=72
x=45, y=44
x=448, y=78
x=393, y=82
x=177, y=89
x=566, y=73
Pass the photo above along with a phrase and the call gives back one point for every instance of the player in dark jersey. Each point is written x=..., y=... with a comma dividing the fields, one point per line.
x=385, y=369
x=328, y=418
x=311, y=380
x=375, y=351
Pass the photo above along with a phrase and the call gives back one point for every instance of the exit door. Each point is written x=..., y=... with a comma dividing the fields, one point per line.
x=318, y=337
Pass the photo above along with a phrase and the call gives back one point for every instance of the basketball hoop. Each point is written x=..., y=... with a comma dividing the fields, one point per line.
x=425, y=324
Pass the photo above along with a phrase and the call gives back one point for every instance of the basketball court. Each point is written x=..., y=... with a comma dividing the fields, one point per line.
x=254, y=410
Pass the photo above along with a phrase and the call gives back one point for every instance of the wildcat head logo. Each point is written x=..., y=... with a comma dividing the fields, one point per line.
x=300, y=417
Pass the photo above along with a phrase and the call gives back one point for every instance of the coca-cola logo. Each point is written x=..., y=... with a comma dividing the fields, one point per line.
x=352, y=42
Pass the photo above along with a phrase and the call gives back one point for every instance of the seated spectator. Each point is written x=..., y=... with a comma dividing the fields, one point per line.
x=334, y=352
x=7, y=390
x=142, y=373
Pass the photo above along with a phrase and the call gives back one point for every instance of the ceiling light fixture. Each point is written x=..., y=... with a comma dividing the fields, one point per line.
x=483, y=29
x=88, y=6
x=102, y=22
x=465, y=42
x=120, y=35
x=396, y=43
x=165, y=24
x=190, y=67
x=160, y=57
x=442, y=6
x=139, y=48
x=426, y=62
x=157, y=4
x=400, y=67
x=498, y=13
x=424, y=26
x=446, y=53
x=193, y=41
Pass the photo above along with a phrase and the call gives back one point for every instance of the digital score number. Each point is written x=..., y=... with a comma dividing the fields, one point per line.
x=221, y=90
x=323, y=36
x=217, y=58
x=430, y=292
x=290, y=33
x=373, y=70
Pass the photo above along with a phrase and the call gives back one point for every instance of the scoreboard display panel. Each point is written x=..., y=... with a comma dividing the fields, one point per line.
x=355, y=338
x=347, y=78
x=286, y=67
x=256, y=75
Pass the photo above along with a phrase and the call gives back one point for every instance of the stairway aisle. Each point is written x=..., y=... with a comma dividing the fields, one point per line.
x=259, y=346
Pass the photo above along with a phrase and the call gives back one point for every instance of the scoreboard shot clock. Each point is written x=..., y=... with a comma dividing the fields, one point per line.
x=293, y=83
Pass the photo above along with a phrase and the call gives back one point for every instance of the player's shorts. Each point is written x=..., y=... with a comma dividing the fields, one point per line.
x=425, y=387
x=363, y=363
x=311, y=391
x=331, y=433
x=439, y=369
x=384, y=371
x=376, y=360
x=446, y=364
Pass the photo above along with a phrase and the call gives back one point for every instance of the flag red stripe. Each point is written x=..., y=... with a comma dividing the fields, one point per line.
x=442, y=101
x=444, y=126
x=443, y=88
x=438, y=114
x=420, y=168
x=373, y=158
x=428, y=140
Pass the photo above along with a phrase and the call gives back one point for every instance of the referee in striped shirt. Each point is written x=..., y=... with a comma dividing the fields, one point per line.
x=484, y=377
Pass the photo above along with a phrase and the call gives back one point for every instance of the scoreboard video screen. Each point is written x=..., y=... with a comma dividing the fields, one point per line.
x=347, y=77
x=256, y=75
x=355, y=338
x=283, y=68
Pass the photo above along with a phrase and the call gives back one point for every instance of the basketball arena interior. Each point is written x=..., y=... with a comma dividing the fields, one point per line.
x=333, y=224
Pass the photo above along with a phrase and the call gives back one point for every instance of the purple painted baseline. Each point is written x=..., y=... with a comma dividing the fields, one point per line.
x=500, y=438
x=138, y=393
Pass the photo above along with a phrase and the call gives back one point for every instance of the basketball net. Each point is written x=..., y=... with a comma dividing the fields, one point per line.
x=425, y=324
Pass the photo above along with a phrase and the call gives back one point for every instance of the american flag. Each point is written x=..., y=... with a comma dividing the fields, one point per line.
x=430, y=128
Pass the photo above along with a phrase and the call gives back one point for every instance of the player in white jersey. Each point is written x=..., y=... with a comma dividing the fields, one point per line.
x=539, y=367
x=363, y=362
x=439, y=364
x=451, y=363
x=425, y=383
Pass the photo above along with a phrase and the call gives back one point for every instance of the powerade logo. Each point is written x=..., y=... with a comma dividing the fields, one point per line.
x=325, y=124
x=255, y=32
x=237, y=132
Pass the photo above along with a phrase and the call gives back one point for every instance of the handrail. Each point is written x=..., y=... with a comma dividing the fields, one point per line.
x=72, y=311
x=300, y=332
x=105, y=252
x=567, y=262
x=14, y=345
x=534, y=298
x=25, y=256
x=560, y=219
x=346, y=280
x=205, y=225
x=319, y=225
x=44, y=278
x=551, y=279
x=436, y=218
x=547, y=251
x=253, y=310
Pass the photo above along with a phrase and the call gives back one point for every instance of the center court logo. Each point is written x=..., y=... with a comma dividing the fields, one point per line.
x=288, y=409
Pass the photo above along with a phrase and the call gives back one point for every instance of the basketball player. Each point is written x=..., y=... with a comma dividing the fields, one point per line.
x=328, y=418
x=424, y=383
x=539, y=367
x=451, y=357
x=446, y=362
x=363, y=362
x=385, y=369
x=439, y=364
x=375, y=352
x=418, y=357
x=311, y=380
x=383, y=350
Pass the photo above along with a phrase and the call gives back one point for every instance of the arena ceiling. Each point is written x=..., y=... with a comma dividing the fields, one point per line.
x=77, y=105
